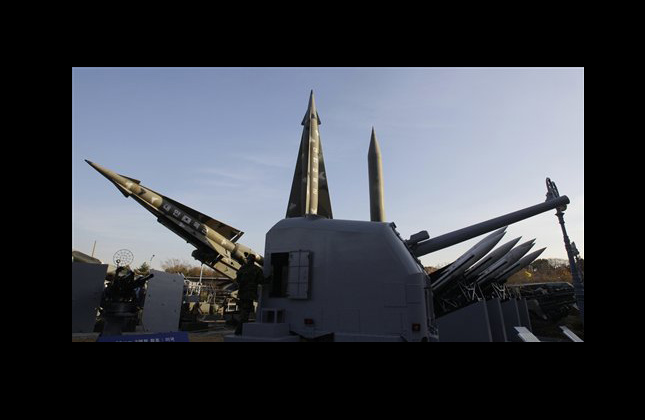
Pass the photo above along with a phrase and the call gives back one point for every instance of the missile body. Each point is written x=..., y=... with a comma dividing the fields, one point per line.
x=215, y=241
x=490, y=259
x=312, y=160
x=470, y=257
x=506, y=261
x=523, y=262
x=375, y=174
x=309, y=189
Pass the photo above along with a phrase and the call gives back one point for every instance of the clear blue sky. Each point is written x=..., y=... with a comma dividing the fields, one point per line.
x=459, y=145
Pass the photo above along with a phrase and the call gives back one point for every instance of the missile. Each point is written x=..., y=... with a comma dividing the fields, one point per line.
x=470, y=257
x=312, y=161
x=523, y=262
x=309, y=189
x=506, y=261
x=375, y=175
x=490, y=259
x=215, y=241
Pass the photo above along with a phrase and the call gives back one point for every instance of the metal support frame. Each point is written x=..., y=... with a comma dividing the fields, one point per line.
x=578, y=285
x=500, y=291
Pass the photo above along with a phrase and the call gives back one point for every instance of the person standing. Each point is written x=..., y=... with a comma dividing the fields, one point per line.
x=249, y=276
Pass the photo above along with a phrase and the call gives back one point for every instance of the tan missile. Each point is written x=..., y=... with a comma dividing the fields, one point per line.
x=375, y=174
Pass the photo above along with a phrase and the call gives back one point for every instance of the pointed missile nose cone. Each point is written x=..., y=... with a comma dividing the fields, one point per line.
x=496, y=236
x=103, y=171
x=374, y=146
x=122, y=183
x=491, y=258
x=311, y=110
x=373, y=137
x=523, y=262
x=511, y=244
x=485, y=245
x=527, y=245
x=312, y=102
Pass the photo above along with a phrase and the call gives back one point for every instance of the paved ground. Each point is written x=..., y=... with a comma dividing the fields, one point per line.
x=209, y=337
x=215, y=334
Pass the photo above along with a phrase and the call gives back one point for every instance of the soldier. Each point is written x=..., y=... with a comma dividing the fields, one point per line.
x=248, y=278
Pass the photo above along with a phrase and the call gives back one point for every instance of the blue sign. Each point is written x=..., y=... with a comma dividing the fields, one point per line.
x=169, y=337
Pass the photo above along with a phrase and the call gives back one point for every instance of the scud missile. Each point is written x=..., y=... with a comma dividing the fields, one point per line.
x=523, y=262
x=490, y=259
x=215, y=241
x=470, y=257
x=375, y=175
x=506, y=261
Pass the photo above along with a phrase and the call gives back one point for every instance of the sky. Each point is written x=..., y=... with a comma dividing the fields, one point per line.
x=459, y=146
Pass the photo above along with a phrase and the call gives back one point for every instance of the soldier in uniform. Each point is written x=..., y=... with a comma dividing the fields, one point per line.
x=249, y=276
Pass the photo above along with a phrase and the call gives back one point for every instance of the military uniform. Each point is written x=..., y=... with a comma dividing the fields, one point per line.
x=249, y=276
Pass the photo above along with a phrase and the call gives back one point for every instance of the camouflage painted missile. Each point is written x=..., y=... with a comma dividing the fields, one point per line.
x=309, y=189
x=470, y=257
x=523, y=262
x=312, y=162
x=506, y=261
x=215, y=241
x=490, y=259
x=375, y=175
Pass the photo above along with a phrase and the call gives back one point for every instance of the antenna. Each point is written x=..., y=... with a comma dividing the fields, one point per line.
x=123, y=257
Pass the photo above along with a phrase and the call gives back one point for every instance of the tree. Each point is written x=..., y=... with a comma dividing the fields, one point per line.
x=175, y=266
x=541, y=265
x=143, y=269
